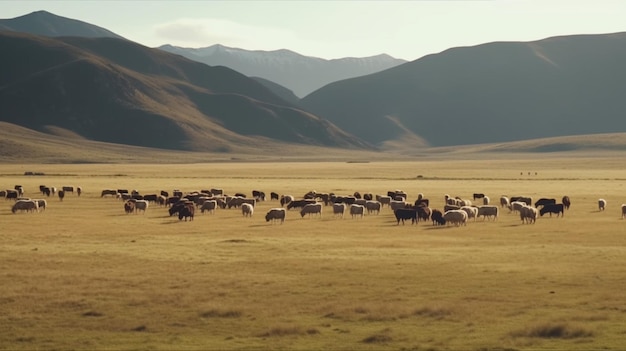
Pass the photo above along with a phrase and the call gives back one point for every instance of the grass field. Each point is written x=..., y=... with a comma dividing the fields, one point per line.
x=84, y=275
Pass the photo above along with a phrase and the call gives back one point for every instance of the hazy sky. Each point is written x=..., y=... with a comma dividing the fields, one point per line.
x=406, y=29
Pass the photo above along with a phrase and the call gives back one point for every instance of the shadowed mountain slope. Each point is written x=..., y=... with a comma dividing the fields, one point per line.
x=50, y=25
x=496, y=92
x=117, y=91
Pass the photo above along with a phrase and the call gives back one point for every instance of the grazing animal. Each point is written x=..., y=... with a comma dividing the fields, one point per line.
x=397, y=205
x=129, y=207
x=456, y=217
x=601, y=204
x=488, y=211
x=106, y=192
x=25, y=205
x=187, y=212
x=11, y=194
x=314, y=208
x=373, y=206
x=339, y=209
x=486, y=200
x=527, y=200
x=437, y=217
x=623, y=211
x=423, y=213
x=552, y=208
x=516, y=206
x=79, y=190
x=247, y=210
x=384, y=200
x=276, y=214
x=61, y=194
x=472, y=212
x=528, y=214
x=356, y=210
x=178, y=206
x=141, y=205
x=544, y=201
x=566, y=202
x=41, y=204
x=209, y=205
x=258, y=195
x=504, y=201
x=478, y=196
x=403, y=214
x=68, y=189
x=422, y=202
x=274, y=196
x=300, y=203
x=285, y=200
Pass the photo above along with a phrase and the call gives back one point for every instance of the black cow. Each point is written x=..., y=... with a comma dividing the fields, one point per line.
x=437, y=217
x=404, y=214
x=544, y=201
x=258, y=195
x=478, y=196
x=552, y=208
x=177, y=207
x=186, y=212
x=61, y=194
x=12, y=194
x=151, y=197
x=300, y=203
x=566, y=202
x=274, y=196
x=423, y=213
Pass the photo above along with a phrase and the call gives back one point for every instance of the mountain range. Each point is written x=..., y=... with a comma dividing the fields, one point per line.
x=301, y=74
x=114, y=90
x=495, y=92
x=105, y=88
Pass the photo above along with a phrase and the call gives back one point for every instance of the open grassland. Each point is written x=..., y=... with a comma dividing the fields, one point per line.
x=84, y=275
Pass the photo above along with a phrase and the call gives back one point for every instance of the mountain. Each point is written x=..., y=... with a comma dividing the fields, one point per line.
x=117, y=91
x=495, y=92
x=301, y=74
x=50, y=25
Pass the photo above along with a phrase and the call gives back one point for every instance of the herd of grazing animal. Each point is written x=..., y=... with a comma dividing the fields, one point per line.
x=32, y=205
x=455, y=211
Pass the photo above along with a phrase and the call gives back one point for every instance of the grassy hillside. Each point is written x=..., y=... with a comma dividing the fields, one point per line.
x=496, y=92
x=19, y=144
x=117, y=91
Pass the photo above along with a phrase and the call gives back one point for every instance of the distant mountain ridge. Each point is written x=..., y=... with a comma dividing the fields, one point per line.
x=495, y=92
x=299, y=73
x=50, y=25
x=117, y=91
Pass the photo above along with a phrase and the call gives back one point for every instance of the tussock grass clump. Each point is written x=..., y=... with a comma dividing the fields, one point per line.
x=433, y=312
x=288, y=330
x=215, y=313
x=377, y=339
x=93, y=314
x=554, y=331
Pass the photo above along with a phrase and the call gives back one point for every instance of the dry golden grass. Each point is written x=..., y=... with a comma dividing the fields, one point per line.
x=84, y=275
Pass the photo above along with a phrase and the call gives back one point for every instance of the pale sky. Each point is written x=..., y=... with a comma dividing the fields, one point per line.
x=328, y=29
